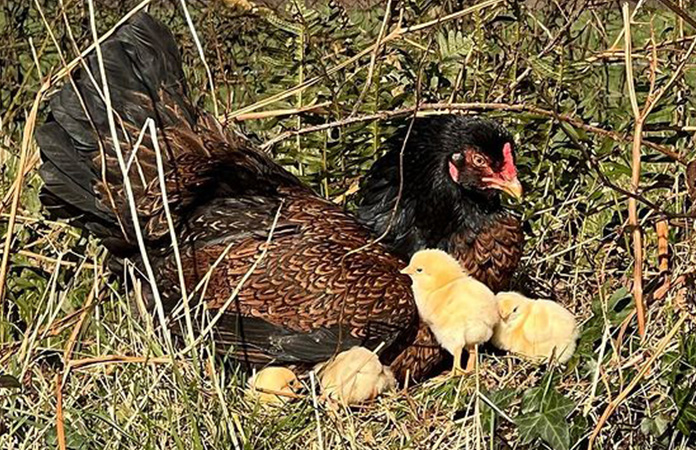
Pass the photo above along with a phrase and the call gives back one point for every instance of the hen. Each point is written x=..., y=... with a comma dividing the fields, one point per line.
x=305, y=290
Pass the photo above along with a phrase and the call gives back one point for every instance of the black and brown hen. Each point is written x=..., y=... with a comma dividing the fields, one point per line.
x=290, y=273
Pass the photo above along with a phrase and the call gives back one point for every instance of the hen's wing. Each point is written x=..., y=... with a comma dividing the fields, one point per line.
x=421, y=358
x=307, y=297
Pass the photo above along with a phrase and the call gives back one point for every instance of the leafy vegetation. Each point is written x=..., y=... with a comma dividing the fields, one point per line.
x=81, y=367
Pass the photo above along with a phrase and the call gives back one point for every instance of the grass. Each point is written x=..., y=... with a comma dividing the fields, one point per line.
x=82, y=367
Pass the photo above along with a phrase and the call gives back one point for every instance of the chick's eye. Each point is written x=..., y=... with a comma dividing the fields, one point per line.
x=478, y=160
x=419, y=270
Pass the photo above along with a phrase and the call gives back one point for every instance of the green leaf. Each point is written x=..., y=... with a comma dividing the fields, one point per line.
x=654, y=426
x=536, y=399
x=9, y=382
x=544, y=412
x=501, y=399
x=552, y=428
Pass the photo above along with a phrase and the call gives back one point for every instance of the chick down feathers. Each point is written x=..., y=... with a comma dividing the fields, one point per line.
x=273, y=379
x=535, y=328
x=355, y=376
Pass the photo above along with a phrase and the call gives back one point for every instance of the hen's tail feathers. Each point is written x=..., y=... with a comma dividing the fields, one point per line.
x=82, y=175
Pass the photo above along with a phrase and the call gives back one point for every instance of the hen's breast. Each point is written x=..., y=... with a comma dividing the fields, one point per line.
x=492, y=252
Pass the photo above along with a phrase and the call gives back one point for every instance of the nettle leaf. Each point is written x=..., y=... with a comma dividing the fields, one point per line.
x=552, y=428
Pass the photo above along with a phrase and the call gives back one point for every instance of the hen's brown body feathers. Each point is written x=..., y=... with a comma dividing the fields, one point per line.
x=309, y=285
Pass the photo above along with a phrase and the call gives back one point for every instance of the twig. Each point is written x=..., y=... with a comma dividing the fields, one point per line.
x=427, y=109
x=281, y=112
x=680, y=12
x=60, y=419
x=635, y=178
x=116, y=359
x=627, y=391
x=373, y=58
x=86, y=308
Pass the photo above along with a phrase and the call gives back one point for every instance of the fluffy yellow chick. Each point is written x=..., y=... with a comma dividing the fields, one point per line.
x=535, y=328
x=273, y=379
x=460, y=310
x=355, y=376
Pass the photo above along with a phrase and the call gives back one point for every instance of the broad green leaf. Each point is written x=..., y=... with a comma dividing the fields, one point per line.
x=552, y=428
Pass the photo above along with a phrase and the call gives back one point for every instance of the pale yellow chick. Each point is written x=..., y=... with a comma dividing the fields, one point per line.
x=355, y=376
x=535, y=328
x=460, y=310
x=273, y=379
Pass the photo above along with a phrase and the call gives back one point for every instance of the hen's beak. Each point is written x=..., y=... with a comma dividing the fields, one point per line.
x=512, y=187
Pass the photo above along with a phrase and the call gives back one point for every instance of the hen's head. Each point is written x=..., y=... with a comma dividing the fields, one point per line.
x=475, y=153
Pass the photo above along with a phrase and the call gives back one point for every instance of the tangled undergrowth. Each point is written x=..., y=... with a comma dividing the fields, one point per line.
x=321, y=86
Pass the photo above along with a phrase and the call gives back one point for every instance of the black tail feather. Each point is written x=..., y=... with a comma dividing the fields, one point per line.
x=146, y=80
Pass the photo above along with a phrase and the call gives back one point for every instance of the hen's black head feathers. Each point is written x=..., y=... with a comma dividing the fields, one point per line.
x=453, y=170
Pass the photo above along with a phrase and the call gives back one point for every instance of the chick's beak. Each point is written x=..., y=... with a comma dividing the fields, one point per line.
x=512, y=186
x=406, y=270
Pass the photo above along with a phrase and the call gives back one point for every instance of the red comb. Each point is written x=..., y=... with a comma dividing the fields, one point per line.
x=509, y=170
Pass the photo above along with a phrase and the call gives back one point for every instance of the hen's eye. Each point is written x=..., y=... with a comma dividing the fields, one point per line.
x=478, y=161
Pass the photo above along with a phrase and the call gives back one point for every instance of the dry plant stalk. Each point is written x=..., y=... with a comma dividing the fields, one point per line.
x=635, y=178
x=640, y=117
x=662, y=231
x=27, y=138
x=60, y=419
x=427, y=109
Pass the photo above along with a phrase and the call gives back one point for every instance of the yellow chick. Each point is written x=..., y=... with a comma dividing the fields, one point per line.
x=460, y=310
x=355, y=376
x=273, y=379
x=535, y=328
